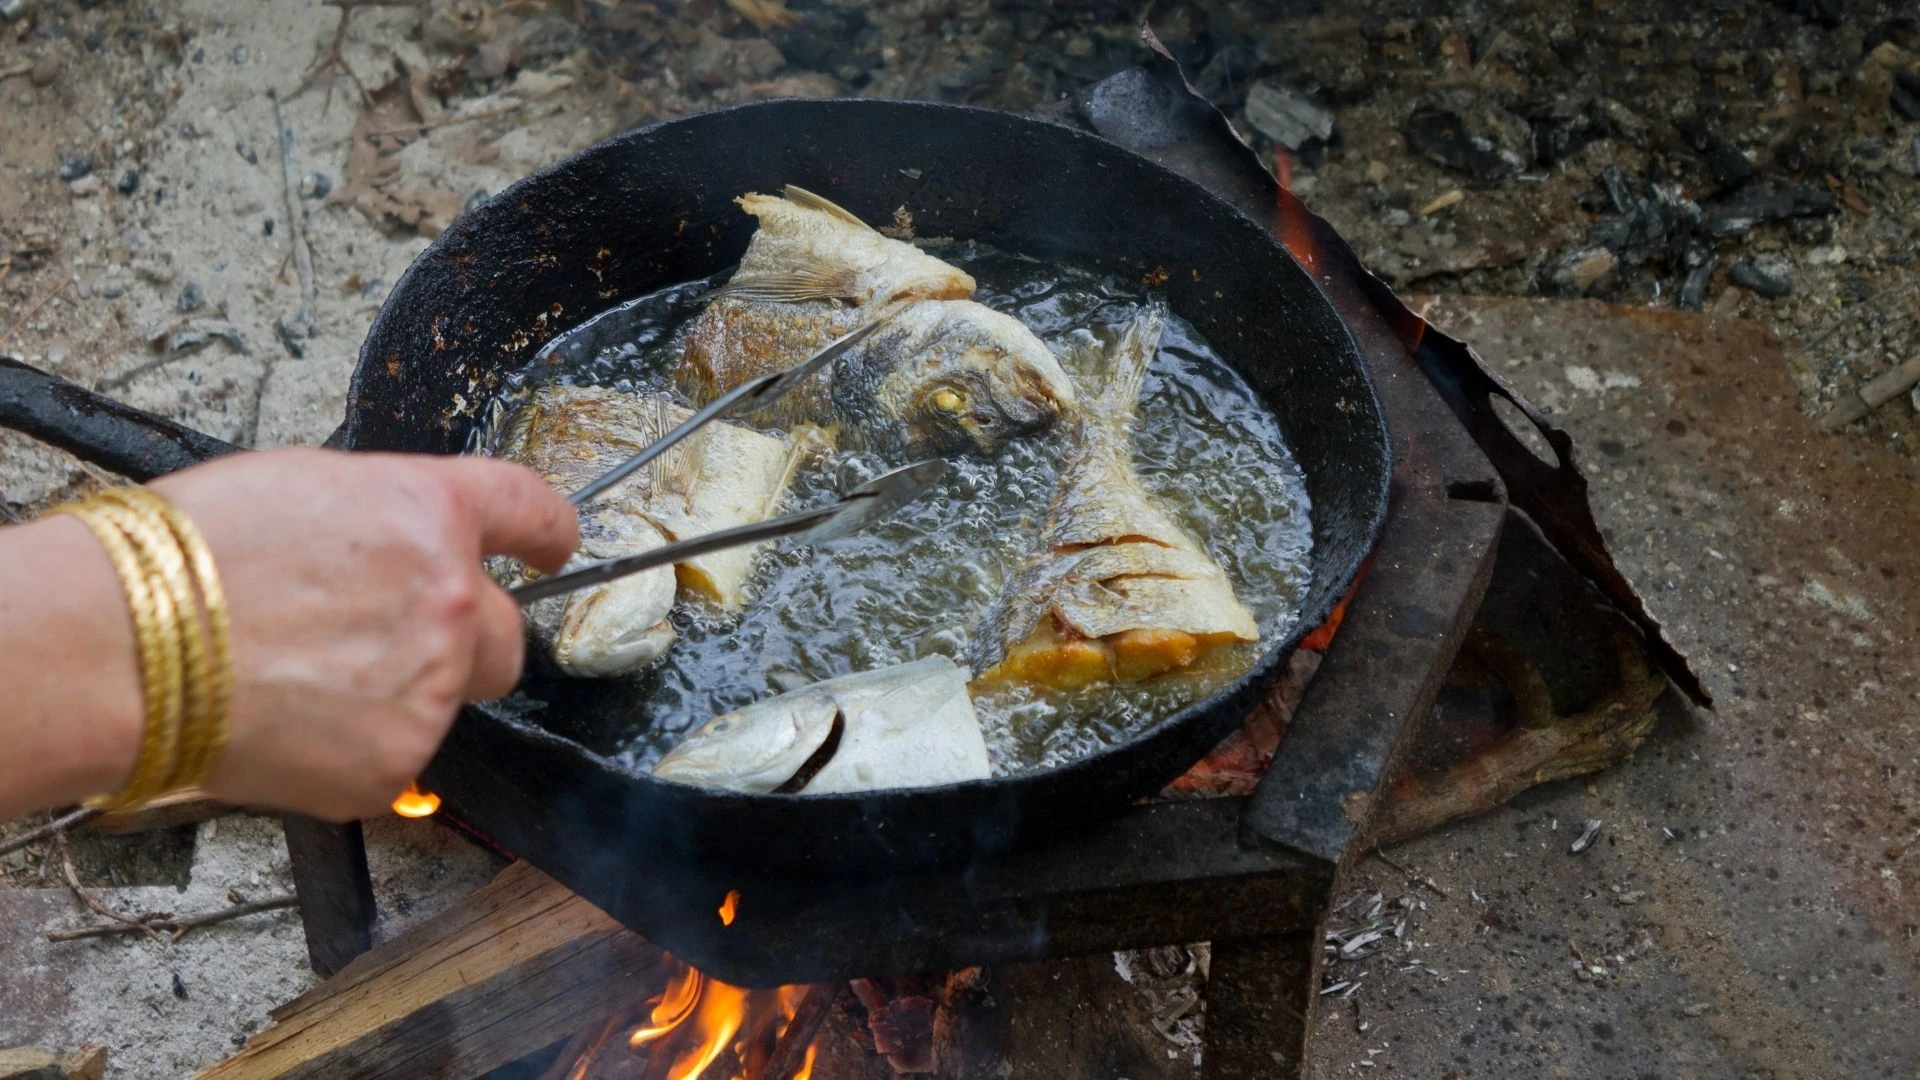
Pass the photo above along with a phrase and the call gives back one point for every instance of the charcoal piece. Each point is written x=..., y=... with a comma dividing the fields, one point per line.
x=1906, y=94
x=1441, y=135
x=1727, y=167
x=1693, y=289
x=1657, y=220
x=1767, y=201
x=192, y=297
x=1556, y=134
x=1619, y=187
x=1617, y=120
x=129, y=181
x=74, y=166
x=1766, y=275
x=1818, y=12
x=1287, y=116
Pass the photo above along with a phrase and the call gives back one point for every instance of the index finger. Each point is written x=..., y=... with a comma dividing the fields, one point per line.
x=516, y=511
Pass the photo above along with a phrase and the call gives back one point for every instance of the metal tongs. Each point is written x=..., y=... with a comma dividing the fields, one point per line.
x=856, y=510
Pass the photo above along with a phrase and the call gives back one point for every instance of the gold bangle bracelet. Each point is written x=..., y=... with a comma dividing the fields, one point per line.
x=201, y=754
x=182, y=635
x=145, y=517
x=159, y=663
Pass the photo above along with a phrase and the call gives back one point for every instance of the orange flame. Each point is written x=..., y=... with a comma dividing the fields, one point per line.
x=672, y=1010
x=729, y=907
x=806, y=1067
x=722, y=1010
x=416, y=803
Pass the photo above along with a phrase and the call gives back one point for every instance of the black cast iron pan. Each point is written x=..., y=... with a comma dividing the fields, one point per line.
x=654, y=207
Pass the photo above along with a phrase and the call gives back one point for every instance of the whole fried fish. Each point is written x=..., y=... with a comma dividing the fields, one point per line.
x=1117, y=590
x=721, y=476
x=910, y=725
x=945, y=374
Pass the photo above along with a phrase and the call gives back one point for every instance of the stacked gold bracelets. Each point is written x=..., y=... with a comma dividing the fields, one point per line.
x=180, y=628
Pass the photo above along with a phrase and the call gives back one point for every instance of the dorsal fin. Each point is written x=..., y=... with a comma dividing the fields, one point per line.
x=802, y=197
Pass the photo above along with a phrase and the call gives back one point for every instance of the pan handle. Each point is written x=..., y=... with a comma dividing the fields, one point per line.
x=96, y=429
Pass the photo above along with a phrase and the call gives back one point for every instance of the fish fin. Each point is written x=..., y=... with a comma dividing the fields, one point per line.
x=800, y=196
x=1129, y=355
x=804, y=443
x=795, y=286
x=674, y=473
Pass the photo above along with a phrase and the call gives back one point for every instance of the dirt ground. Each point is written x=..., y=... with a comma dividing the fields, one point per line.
x=1749, y=907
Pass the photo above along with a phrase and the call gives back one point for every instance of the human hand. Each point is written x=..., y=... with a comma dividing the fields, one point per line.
x=361, y=617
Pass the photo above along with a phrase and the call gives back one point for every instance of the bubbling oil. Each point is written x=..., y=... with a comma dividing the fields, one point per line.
x=919, y=583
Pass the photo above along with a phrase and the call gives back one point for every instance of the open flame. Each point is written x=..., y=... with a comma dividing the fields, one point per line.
x=729, y=907
x=416, y=803
x=700, y=1028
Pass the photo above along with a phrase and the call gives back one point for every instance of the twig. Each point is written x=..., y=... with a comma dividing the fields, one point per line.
x=85, y=897
x=20, y=68
x=333, y=57
x=790, y=1053
x=1872, y=394
x=1425, y=882
x=174, y=925
x=57, y=825
x=35, y=310
x=578, y=1055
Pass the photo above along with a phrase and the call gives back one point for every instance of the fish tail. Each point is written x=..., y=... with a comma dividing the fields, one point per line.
x=1129, y=356
x=1112, y=369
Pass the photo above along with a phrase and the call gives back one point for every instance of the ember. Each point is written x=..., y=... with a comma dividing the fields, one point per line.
x=729, y=907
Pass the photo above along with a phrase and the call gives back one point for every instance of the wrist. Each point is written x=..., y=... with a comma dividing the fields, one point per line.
x=71, y=658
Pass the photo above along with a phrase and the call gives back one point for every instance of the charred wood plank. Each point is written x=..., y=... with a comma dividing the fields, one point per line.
x=336, y=893
x=518, y=966
x=1426, y=579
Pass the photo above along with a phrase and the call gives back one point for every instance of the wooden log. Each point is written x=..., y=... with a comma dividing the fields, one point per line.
x=519, y=965
x=1545, y=745
x=34, y=1063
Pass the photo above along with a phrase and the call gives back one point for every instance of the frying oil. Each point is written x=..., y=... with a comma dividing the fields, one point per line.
x=920, y=582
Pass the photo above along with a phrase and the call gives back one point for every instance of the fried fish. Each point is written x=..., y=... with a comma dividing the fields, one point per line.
x=722, y=476
x=945, y=374
x=910, y=725
x=1116, y=590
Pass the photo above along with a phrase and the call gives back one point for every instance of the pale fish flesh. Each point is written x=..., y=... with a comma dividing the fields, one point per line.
x=945, y=375
x=1116, y=590
x=910, y=725
x=722, y=476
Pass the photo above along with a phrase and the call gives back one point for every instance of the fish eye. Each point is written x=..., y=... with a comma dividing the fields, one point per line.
x=949, y=401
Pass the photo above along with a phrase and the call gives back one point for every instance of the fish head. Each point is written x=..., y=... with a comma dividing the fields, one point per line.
x=980, y=380
x=755, y=749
